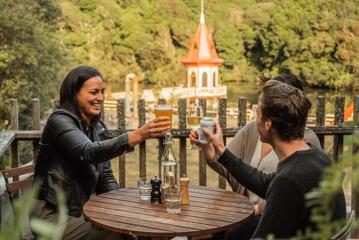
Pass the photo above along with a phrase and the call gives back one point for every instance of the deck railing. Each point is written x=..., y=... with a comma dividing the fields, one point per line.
x=337, y=131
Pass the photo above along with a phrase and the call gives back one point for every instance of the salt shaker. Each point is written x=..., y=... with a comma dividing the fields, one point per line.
x=184, y=181
x=156, y=192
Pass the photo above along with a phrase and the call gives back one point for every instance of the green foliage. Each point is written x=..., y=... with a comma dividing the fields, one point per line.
x=52, y=231
x=317, y=40
x=22, y=208
x=30, y=54
x=21, y=212
x=308, y=38
x=321, y=198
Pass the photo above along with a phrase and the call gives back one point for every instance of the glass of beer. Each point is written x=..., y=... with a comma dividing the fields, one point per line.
x=195, y=113
x=163, y=110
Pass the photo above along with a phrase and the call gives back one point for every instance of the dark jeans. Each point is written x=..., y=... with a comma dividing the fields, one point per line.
x=242, y=231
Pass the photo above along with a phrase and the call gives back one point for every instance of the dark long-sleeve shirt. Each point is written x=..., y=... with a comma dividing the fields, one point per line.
x=285, y=190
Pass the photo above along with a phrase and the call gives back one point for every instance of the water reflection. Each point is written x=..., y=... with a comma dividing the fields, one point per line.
x=251, y=91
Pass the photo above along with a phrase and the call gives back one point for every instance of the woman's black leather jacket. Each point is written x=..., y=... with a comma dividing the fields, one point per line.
x=75, y=160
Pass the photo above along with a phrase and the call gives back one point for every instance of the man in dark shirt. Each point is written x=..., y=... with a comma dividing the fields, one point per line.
x=281, y=117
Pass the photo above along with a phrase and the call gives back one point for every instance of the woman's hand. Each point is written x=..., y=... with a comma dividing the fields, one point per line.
x=157, y=127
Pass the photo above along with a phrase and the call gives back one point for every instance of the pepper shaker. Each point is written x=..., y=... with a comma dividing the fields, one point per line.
x=156, y=192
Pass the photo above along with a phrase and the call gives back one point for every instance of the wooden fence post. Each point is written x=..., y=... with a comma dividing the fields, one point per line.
x=35, y=125
x=355, y=190
x=202, y=161
x=356, y=111
x=320, y=116
x=141, y=121
x=14, y=115
x=338, y=121
x=182, y=113
x=242, y=112
x=222, y=120
x=121, y=125
x=14, y=126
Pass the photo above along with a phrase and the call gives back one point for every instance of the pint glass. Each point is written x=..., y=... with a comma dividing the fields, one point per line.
x=164, y=111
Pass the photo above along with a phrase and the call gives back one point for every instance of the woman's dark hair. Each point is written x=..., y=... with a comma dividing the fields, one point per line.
x=72, y=85
x=289, y=79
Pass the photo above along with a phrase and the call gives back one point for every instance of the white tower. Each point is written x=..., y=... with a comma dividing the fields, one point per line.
x=202, y=61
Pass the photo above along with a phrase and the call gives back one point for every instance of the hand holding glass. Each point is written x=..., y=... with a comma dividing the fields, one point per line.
x=195, y=113
x=163, y=110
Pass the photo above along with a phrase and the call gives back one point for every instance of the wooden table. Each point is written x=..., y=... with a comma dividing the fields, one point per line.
x=211, y=210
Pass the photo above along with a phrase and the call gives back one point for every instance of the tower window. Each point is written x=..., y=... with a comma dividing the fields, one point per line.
x=214, y=79
x=204, y=80
x=193, y=80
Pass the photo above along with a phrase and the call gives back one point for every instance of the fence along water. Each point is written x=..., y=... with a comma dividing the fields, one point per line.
x=336, y=131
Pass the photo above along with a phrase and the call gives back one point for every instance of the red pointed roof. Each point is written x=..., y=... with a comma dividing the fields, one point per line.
x=202, y=51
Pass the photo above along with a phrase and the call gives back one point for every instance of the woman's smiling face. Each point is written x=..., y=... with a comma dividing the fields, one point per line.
x=90, y=97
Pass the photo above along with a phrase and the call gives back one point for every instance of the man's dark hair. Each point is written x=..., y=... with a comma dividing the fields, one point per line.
x=72, y=85
x=289, y=79
x=287, y=107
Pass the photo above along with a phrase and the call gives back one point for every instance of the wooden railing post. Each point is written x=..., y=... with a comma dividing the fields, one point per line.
x=141, y=121
x=14, y=126
x=356, y=111
x=202, y=161
x=242, y=112
x=222, y=120
x=338, y=121
x=35, y=125
x=35, y=114
x=182, y=113
x=121, y=125
x=320, y=117
x=355, y=164
x=14, y=115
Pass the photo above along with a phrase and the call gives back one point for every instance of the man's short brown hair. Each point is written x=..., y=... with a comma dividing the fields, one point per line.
x=287, y=107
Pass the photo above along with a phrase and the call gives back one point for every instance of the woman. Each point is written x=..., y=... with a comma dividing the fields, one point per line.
x=75, y=152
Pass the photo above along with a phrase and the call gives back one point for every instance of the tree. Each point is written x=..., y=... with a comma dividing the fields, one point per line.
x=316, y=40
x=31, y=56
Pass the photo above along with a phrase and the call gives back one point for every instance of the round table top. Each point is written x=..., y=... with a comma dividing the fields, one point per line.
x=210, y=210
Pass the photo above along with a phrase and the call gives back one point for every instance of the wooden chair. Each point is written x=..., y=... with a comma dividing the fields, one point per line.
x=344, y=232
x=17, y=180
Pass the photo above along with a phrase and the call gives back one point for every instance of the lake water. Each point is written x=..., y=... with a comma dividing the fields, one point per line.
x=251, y=92
x=235, y=90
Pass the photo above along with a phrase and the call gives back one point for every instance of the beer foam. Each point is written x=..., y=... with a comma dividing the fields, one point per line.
x=163, y=107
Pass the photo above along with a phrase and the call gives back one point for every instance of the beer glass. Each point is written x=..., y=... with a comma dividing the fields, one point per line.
x=195, y=113
x=163, y=110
